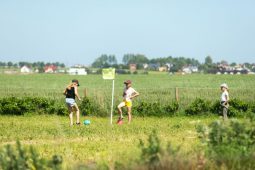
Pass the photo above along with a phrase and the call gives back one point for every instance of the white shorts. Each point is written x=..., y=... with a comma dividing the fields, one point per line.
x=70, y=102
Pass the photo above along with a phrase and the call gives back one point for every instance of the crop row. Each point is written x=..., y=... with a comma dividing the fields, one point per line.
x=93, y=107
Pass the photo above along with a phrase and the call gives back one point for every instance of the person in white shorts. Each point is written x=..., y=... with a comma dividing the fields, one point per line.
x=128, y=94
x=71, y=92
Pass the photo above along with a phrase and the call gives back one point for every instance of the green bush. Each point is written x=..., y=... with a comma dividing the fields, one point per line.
x=239, y=105
x=90, y=107
x=171, y=108
x=252, y=107
x=230, y=144
x=216, y=108
x=23, y=158
x=36, y=105
x=233, y=112
x=155, y=109
x=156, y=157
x=198, y=107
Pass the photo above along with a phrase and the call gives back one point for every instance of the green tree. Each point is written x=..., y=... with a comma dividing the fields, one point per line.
x=138, y=59
x=233, y=64
x=104, y=61
x=208, y=61
x=10, y=64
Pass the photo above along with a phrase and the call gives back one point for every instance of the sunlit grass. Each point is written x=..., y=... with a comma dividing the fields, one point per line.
x=99, y=141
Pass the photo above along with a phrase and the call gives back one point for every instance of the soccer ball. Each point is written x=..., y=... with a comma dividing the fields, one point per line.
x=86, y=122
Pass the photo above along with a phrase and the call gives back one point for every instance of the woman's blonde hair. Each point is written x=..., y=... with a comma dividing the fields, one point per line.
x=70, y=85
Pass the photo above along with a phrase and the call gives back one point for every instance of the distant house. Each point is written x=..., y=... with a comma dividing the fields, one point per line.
x=132, y=67
x=169, y=65
x=145, y=66
x=162, y=69
x=77, y=71
x=238, y=69
x=190, y=69
x=25, y=69
x=153, y=66
x=50, y=69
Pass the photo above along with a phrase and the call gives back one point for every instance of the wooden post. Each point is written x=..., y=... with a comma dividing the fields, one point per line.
x=85, y=92
x=176, y=94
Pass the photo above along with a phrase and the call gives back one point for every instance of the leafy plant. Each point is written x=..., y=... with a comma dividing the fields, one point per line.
x=197, y=107
x=156, y=157
x=156, y=109
x=239, y=105
x=151, y=154
x=36, y=105
x=230, y=144
x=90, y=107
x=20, y=157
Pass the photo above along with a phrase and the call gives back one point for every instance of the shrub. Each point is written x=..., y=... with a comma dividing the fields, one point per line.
x=252, y=107
x=236, y=108
x=23, y=158
x=171, y=109
x=155, y=109
x=36, y=105
x=199, y=106
x=239, y=105
x=230, y=144
x=147, y=109
x=216, y=108
x=155, y=156
x=151, y=154
x=90, y=107
x=233, y=112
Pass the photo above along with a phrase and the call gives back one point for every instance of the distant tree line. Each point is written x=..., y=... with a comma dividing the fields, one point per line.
x=139, y=59
x=38, y=64
x=175, y=63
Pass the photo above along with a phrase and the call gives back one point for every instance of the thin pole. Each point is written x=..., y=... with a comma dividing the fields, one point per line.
x=85, y=92
x=176, y=94
x=112, y=100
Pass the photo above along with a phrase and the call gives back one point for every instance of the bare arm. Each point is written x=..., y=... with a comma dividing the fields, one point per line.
x=135, y=94
x=227, y=98
x=76, y=93
x=64, y=92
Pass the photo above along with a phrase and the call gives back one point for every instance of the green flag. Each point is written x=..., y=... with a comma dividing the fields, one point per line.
x=108, y=73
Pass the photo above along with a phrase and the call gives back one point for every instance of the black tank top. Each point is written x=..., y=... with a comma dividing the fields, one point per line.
x=70, y=93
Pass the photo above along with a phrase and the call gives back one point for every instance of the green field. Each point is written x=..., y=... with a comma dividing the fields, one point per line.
x=100, y=142
x=152, y=87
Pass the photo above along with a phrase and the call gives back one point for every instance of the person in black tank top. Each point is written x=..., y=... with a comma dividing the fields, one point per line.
x=71, y=92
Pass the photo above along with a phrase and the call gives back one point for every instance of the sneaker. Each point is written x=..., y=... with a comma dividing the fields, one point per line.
x=78, y=123
x=120, y=120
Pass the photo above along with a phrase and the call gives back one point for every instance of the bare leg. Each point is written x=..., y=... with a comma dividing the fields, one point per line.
x=122, y=104
x=129, y=114
x=225, y=111
x=71, y=118
x=76, y=108
x=78, y=116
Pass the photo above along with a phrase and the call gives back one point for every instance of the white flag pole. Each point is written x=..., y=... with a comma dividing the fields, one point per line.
x=112, y=100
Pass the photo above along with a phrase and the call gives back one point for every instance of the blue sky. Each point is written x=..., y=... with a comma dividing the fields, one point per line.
x=79, y=31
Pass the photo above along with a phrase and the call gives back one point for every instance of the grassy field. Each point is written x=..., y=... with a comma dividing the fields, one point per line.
x=101, y=142
x=152, y=87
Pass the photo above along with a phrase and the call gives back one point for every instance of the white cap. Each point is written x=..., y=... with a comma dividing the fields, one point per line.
x=224, y=85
